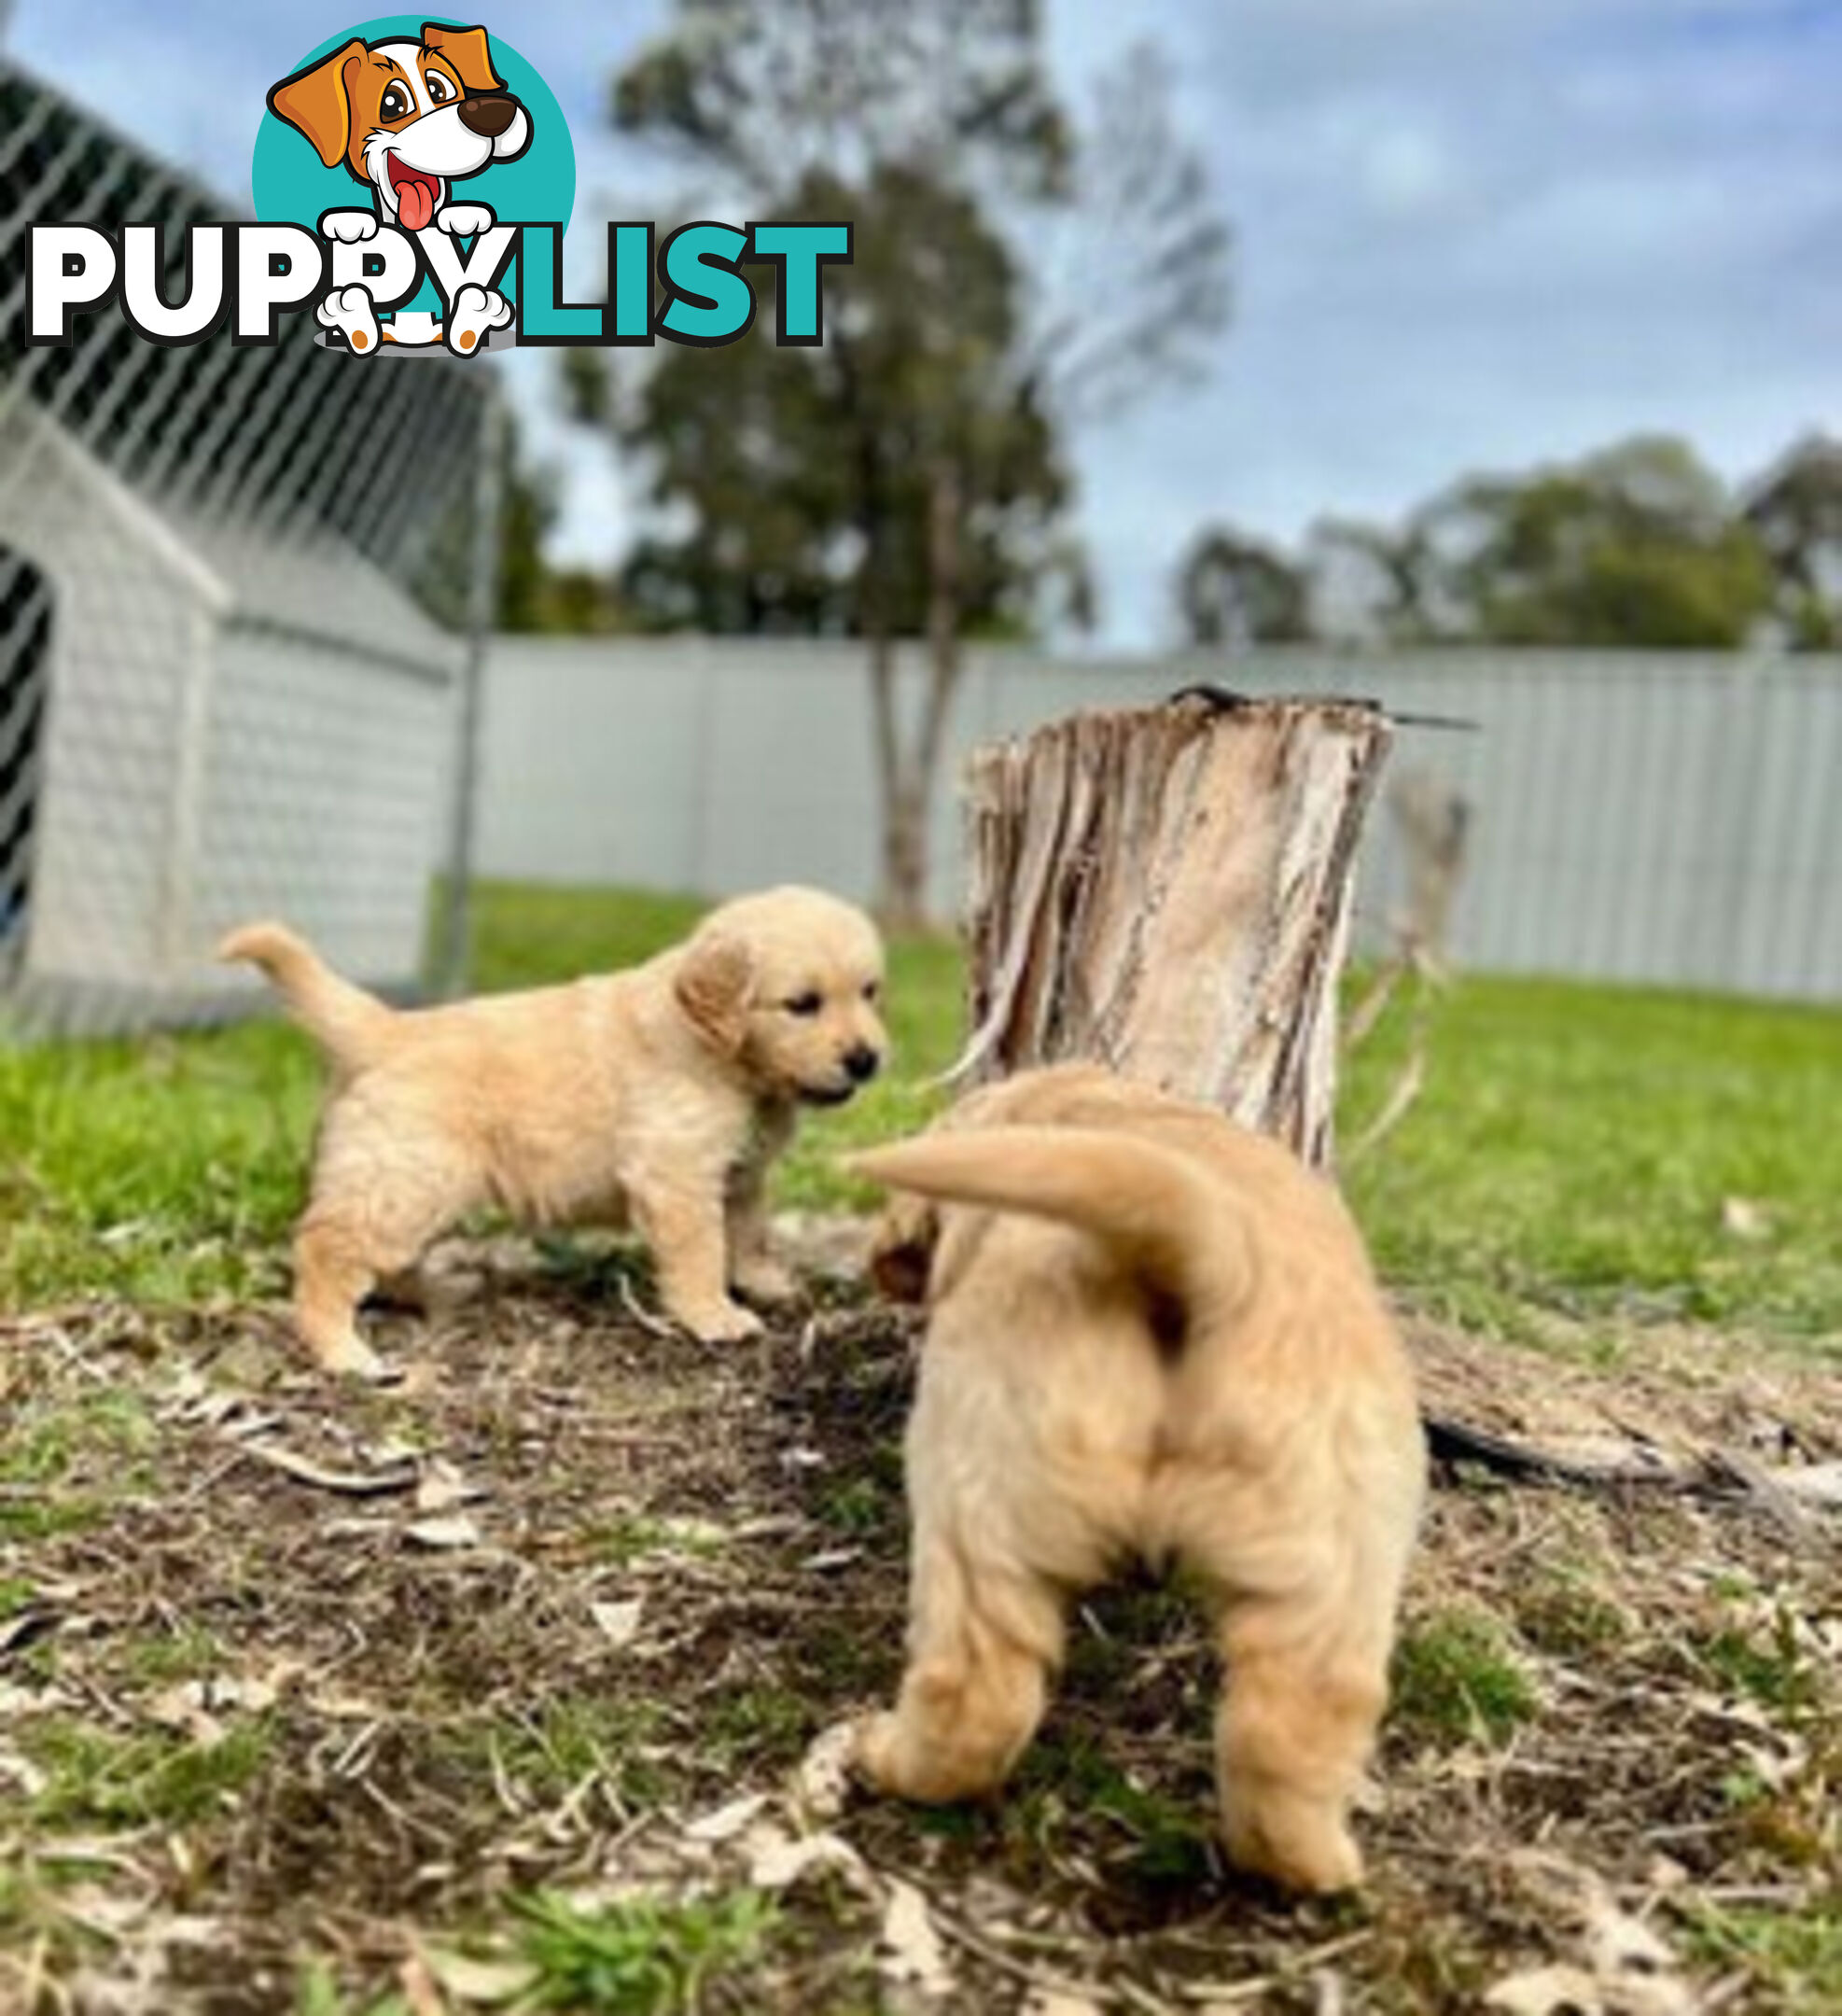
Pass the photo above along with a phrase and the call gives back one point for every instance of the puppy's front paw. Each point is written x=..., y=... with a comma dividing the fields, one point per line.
x=763, y=1280
x=350, y=227
x=464, y=220
x=722, y=1322
x=352, y=1358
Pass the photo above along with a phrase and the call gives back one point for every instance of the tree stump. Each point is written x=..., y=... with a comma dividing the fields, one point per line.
x=1166, y=891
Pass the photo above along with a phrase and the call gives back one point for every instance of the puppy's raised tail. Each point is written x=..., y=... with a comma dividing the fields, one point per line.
x=1163, y=1216
x=349, y=1023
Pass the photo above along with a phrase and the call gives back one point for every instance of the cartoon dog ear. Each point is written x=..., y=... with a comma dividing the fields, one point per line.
x=712, y=987
x=470, y=52
x=317, y=102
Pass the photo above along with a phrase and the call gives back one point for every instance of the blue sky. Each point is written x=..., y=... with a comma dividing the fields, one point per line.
x=1469, y=233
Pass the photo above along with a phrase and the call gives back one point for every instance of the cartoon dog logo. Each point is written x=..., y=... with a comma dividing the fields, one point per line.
x=408, y=120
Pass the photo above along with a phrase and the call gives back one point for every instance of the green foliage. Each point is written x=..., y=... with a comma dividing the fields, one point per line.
x=1796, y=1954
x=640, y=1956
x=1795, y=512
x=98, y=1778
x=1456, y=1676
x=1634, y=547
x=1768, y=1664
x=807, y=474
x=1233, y=589
x=1638, y=546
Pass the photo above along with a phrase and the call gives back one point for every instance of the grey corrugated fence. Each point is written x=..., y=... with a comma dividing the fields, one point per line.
x=1671, y=817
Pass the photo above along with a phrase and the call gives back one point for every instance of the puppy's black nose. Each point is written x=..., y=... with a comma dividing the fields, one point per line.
x=488, y=113
x=861, y=1063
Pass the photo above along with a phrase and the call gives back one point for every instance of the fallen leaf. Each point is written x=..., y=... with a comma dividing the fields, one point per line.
x=908, y=1948
x=1549, y=1991
x=777, y=1860
x=823, y=1780
x=1629, y=1971
x=618, y=1621
x=488, y=1982
x=442, y=1488
x=458, y=1531
x=832, y=1558
x=420, y=1993
x=398, y=1476
x=726, y=1822
x=21, y=1771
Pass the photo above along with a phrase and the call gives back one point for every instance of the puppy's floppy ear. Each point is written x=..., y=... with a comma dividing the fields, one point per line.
x=470, y=50
x=714, y=981
x=317, y=102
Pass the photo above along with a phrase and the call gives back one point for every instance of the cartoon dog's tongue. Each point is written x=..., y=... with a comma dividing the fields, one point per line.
x=415, y=194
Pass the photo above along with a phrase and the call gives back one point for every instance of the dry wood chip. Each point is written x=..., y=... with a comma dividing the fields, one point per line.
x=909, y=1950
x=487, y=1982
x=618, y=1622
x=399, y=1476
x=726, y=1822
x=823, y=1779
x=457, y=1531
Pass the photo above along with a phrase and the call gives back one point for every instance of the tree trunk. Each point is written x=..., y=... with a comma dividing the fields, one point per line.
x=909, y=776
x=1167, y=889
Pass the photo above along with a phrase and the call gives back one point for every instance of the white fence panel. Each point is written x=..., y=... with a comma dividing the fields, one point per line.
x=1668, y=818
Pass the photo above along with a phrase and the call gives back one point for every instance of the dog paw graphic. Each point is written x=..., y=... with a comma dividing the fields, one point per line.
x=349, y=309
x=464, y=220
x=476, y=310
x=350, y=227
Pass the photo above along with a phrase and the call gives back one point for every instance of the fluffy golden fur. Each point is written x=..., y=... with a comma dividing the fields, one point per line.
x=1151, y=1333
x=656, y=1096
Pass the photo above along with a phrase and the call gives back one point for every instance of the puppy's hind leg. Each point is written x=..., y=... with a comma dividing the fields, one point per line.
x=370, y=1218
x=982, y=1645
x=1294, y=1730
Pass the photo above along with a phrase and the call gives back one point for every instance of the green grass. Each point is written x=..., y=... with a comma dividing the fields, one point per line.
x=1573, y=1146
x=1571, y=1149
x=1456, y=1677
x=1796, y=1954
x=96, y=1778
x=640, y=1956
x=62, y=1463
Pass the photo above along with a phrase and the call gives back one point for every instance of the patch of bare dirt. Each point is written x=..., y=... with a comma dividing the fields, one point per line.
x=291, y=1674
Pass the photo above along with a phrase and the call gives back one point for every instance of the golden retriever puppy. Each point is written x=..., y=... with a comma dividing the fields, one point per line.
x=1151, y=1333
x=656, y=1096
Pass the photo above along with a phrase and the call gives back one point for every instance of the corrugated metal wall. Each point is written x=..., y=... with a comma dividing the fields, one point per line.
x=1673, y=817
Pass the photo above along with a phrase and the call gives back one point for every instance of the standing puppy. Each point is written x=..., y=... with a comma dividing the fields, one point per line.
x=1153, y=1334
x=656, y=1097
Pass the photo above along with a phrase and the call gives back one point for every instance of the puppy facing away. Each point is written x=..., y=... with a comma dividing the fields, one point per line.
x=656, y=1097
x=1151, y=1333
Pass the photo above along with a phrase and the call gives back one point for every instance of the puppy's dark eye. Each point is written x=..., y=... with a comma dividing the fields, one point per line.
x=873, y=990
x=808, y=1004
x=396, y=104
x=439, y=89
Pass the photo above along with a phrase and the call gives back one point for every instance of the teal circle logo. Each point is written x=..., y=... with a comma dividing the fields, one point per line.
x=293, y=183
